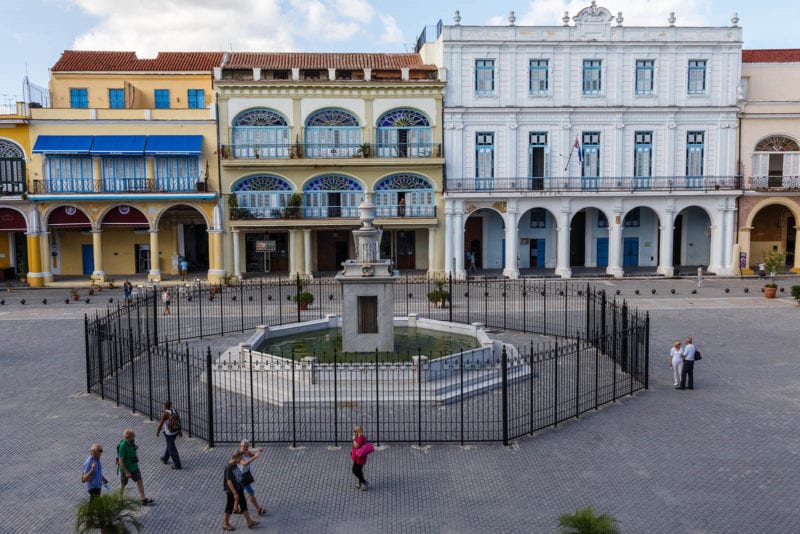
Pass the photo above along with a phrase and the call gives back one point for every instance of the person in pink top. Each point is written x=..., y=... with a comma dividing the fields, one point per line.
x=359, y=461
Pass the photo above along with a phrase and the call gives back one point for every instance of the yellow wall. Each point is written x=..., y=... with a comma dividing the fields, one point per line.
x=5, y=249
x=144, y=85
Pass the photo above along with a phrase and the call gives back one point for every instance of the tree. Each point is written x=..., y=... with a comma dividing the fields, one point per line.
x=111, y=513
x=584, y=521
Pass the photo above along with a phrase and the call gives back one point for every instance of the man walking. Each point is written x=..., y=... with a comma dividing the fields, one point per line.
x=93, y=471
x=128, y=461
x=184, y=265
x=170, y=422
x=688, y=365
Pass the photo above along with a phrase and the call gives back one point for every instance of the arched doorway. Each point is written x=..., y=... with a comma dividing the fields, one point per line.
x=691, y=238
x=588, y=239
x=13, y=244
x=69, y=229
x=773, y=228
x=484, y=236
x=537, y=239
x=183, y=234
x=640, y=238
x=127, y=243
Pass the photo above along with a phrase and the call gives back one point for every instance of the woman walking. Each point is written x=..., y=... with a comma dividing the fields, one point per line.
x=359, y=460
x=676, y=362
x=234, y=493
x=248, y=456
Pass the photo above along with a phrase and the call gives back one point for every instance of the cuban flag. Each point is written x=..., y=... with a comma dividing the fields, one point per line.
x=577, y=146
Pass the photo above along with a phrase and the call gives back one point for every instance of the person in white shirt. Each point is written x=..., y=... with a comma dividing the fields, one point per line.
x=676, y=362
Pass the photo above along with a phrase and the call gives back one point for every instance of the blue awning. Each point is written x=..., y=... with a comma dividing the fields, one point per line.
x=62, y=144
x=110, y=145
x=187, y=145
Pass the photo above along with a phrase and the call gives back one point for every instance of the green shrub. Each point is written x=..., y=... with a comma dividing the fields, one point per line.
x=796, y=293
x=111, y=513
x=584, y=521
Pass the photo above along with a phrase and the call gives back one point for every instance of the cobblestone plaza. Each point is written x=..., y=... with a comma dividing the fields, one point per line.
x=721, y=458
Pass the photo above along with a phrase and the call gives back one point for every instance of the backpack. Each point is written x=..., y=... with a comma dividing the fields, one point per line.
x=174, y=421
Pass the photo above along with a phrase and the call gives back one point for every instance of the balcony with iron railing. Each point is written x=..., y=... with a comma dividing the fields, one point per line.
x=411, y=150
x=120, y=185
x=399, y=211
x=774, y=183
x=578, y=184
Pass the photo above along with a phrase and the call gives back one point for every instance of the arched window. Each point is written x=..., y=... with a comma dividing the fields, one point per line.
x=260, y=133
x=12, y=168
x=259, y=197
x=404, y=195
x=403, y=133
x=332, y=133
x=776, y=163
x=332, y=195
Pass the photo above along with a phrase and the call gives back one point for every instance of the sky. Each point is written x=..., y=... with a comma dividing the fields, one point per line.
x=35, y=32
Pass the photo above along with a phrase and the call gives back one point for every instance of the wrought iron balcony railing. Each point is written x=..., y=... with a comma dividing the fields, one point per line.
x=774, y=183
x=331, y=150
x=601, y=183
x=119, y=185
x=321, y=212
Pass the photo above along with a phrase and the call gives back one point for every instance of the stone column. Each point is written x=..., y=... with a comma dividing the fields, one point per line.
x=796, y=266
x=35, y=275
x=717, y=236
x=458, y=242
x=744, y=246
x=307, y=252
x=216, y=266
x=237, y=262
x=665, y=262
x=292, y=253
x=155, y=258
x=449, y=238
x=730, y=265
x=615, y=246
x=47, y=261
x=562, y=256
x=97, y=251
x=431, y=250
x=512, y=243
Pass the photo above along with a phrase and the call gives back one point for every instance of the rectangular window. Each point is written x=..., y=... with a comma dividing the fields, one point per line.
x=69, y=174
x=697, y=77
x=79, y=98
x=116, y=98
x=538, y=159
x=539, y=77
x=644, y=76
x=177, y=173
x=162, y=98
x=590, y=169
x=642, y=159
x=484, y=76
x=123, y=174
x=197, y=98
x=592, y=76
x=695, y=148
x=484, y=160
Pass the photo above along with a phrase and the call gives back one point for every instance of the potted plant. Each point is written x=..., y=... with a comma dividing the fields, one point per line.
x=110, y=512
x=293, y=205
x=91, y=289
x=439, y=296
x=73, y=294
x=796, y=293
x=304, y=299
x=773, y=263
x=584, y=521
x=364, y=149
x=229, y=279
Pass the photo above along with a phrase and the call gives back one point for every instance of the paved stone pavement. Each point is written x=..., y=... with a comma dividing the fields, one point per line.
x=722, y=458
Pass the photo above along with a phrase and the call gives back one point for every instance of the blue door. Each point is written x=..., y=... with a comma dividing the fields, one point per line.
x=602, y=252
x=87, y=252
x=630, y=252
x=540, y=253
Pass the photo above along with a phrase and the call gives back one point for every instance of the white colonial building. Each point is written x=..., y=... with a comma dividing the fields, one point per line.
x=589, y=145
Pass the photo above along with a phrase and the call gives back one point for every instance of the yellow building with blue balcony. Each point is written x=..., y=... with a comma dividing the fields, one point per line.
x=123, y=170
x=305, y=136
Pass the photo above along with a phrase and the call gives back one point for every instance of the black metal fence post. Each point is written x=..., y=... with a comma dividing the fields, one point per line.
x=450, y=315
x=647, y=351
x=578, y=353
x=252, y=398
x=88, y=357
x=504, y=363
x=189, y=425
x=294, y=405
x=555, y=384
x=377, y=400
x=335, y=401
x=210, y=398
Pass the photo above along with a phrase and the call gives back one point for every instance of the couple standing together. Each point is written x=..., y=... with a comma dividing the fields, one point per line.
x=682, y=363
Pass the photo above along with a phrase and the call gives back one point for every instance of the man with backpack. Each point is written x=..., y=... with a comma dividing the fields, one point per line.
x=171, y=423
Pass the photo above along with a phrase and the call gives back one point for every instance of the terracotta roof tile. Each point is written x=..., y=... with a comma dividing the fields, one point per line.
x=771, y=55
x=106, y=61
x=312, y=60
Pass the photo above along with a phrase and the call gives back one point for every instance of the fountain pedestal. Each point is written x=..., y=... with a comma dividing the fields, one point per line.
x=368, y=289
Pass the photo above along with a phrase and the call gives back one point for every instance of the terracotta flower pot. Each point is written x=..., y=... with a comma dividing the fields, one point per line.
x=769, y=292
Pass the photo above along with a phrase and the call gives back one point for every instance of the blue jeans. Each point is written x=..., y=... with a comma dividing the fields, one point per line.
x=172, y=450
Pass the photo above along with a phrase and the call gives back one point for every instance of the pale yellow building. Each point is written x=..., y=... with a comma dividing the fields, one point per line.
x=305, y=136
x=769, y=148
x=15, y=152
x=124, y=169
